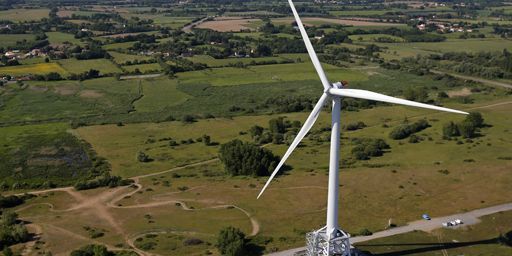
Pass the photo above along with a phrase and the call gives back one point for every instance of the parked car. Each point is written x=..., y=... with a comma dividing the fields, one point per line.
x=458, y=221
x=426, y=217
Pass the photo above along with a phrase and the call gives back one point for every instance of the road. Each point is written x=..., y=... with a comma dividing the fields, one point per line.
x=476, y=79
x=188, y=28
x=469, y=218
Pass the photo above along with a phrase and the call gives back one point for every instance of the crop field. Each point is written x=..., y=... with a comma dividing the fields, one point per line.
x=60, y=38
x=22, y=15
x=229, y=25
x=74, y=66
x=263, y=74
x=10, y=40
x=35, y=69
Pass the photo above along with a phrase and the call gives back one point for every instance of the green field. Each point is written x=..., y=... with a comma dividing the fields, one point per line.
x=159, y=94
x=152, y=67
x=10, y=40
x=67, y=100
x=212, y=62
x=60, y=38
x=34, y=69
x=263, y=74
x=116, y=46
x=121, y=58
x=74, y=66
x=22, y=15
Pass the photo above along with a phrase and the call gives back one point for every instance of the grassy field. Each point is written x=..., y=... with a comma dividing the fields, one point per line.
x=121, y=58
x=152, y=67
x=159, y=94
x=116, y=46
x=60, y=38
x=10, y=40
x=22, y=15
x=79, y=66
x=212, y=62
x=373, y=37
x=479, y=239
x=263, y=74
x=406, y=189
x=67, y=99
x=34, y=69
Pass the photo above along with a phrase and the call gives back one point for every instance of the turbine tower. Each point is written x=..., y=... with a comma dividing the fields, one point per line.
x=331, y=239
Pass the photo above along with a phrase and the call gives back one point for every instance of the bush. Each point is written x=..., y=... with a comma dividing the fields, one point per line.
x=467, y=129
x=242, y=158
x=367, y=148
x=405, y=130
x=231, y=242
x=365, y=232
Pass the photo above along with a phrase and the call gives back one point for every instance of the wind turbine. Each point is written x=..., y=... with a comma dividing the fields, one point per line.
x=331, y=240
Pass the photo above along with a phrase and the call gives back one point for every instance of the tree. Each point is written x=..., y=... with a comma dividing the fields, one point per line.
x=7, y=252
x=142, y=157
x=276, y=125
x=467, y=129
x=206, y=140
x=450, y=130
x=243, y=158
x=231, y=242
x=476, y=119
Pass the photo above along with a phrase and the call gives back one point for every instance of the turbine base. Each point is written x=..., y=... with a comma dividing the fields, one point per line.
x=320, y=243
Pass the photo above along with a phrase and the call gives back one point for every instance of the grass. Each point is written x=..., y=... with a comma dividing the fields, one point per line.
x=23, y=15
x=479, y=239
x=373, y=37
x=31, y=154
x=263, y=74
x=117, y=46
x=212, y=62
x=159, y=94
x=61, y=38
x=67, y=100
x=10, y=40
x=121, y=58
x=79, y=66
x=34, y=69
x=152, y=67
x=406, y=188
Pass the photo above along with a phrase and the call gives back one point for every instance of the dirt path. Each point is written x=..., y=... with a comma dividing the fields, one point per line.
x=476, y=79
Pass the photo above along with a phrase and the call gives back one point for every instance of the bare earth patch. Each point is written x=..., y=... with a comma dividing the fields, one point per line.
x=66, y=90
x=38, y=88
x=227, y=24
x=91, y=94
x=460, y=93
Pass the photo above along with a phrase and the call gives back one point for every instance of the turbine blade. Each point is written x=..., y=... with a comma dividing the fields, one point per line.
x=368, y=95
x=309, y=47
x=302, y=133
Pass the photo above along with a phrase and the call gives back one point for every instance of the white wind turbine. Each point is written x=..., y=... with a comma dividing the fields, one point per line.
x=331, y=240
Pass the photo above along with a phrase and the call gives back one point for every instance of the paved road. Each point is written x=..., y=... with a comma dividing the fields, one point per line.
x=188, y=28
x=476, y=79
x=469, y=218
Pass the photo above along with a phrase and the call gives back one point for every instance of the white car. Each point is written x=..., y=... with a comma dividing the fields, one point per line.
x=458, y=221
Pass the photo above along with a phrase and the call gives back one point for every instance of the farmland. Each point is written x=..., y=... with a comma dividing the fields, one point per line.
x=41, y=68
x=117, y=119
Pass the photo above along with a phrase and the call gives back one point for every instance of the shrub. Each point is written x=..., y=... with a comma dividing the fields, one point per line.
x=231, y=242
x=242, y=158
